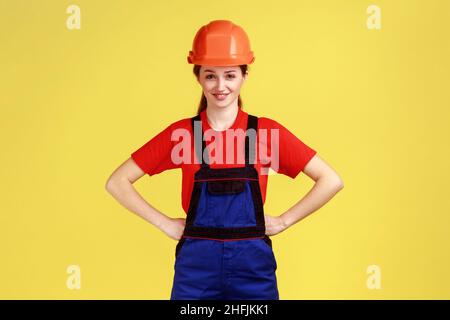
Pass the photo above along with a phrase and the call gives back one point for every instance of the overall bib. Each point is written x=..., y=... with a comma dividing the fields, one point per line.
x=224, y=253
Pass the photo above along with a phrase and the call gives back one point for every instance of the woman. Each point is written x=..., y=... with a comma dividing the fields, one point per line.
x=224, y=250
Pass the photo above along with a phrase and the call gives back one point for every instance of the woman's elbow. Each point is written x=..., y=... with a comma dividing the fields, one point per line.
x=334, y=181
x=108, y=185
x=341, y=184
x=338, y=183
x=111, y=184
x=126, y=174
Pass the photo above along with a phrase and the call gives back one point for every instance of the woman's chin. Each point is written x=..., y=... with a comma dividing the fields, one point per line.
x=222, y=104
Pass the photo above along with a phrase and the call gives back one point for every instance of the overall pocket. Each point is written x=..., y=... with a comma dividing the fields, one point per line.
x=226, y=187
x=179, y=246
x=226, y=203
x=266, y=242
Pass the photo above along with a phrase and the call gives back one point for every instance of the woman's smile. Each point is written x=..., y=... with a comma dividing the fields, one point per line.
x=221, y=97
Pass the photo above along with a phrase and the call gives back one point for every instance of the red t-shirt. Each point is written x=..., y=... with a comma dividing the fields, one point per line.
x=156, y=155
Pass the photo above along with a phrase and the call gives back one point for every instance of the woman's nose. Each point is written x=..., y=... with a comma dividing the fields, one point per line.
x=220, y=84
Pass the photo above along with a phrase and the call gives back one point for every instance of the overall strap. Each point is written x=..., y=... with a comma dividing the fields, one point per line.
x=200, y=143
x=252, y=123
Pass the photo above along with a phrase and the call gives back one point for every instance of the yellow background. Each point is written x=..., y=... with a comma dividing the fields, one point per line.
x=374, y=103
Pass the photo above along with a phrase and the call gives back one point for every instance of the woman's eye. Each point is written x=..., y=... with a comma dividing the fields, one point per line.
x=230, y=76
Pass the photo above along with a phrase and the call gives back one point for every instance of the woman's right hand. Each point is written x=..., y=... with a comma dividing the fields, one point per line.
x=174, y=227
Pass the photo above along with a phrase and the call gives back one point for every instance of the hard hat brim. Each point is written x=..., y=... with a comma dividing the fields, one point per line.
x=219, y=62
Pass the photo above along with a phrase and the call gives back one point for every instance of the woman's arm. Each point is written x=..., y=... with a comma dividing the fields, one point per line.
x=120, y=186
x=328, y=183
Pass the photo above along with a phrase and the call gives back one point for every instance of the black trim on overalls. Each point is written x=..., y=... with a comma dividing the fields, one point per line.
x=233, y=179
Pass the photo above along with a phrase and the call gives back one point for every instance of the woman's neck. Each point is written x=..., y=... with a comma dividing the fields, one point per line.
x=221, y=119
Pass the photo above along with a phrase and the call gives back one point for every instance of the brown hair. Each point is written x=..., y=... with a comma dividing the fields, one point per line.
x=203, y=102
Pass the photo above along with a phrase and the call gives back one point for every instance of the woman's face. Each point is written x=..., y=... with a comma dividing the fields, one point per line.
x=221, y=85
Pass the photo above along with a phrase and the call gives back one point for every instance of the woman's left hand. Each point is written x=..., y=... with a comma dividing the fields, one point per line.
x=274, y=225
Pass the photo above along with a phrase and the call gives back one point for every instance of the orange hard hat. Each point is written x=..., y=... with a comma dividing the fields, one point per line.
x=221, y=43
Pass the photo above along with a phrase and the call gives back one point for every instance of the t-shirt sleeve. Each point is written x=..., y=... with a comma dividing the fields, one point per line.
x=294, y=154
x=155, y=156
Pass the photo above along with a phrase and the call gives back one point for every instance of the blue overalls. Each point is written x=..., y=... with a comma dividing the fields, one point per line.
x=224, y=253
